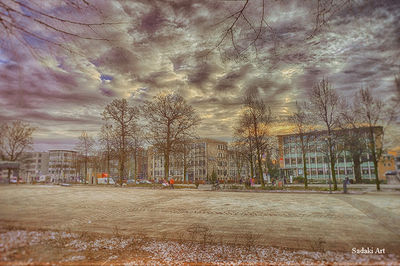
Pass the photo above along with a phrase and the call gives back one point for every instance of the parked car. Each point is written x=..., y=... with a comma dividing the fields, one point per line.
x=144, y=181
x=104, y=180
x=132, y=181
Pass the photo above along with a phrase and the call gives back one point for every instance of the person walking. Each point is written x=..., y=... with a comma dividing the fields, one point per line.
x=346, y=181
x=171, y=183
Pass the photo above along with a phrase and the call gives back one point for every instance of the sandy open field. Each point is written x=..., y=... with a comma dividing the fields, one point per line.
x=295, y=220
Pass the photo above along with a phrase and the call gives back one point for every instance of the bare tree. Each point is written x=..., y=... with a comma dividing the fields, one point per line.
x=169, y=122
x=325, y=105
x=107, y=146
x=16, y=138
x=135, y=144
x=254, y=122
x=373, y=115
x=302, y=128
x=54, y=24
x=85, y=147
x=354, y=138
x=182, y=154
x=123, y=118
x=271, y=156
x=248, y=28
x=239, y=158
x=244, y=139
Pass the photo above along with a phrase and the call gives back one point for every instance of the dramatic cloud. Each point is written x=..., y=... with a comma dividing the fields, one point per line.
x=149, y=46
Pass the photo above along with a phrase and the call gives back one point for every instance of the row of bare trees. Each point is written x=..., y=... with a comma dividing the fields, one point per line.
x=354, y=127
x=326, y=123
x=252, y=136
x=166, y=122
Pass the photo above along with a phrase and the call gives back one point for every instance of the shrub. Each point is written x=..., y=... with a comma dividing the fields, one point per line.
x=298, y=179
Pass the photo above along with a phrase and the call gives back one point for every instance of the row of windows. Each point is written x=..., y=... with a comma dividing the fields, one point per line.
x=221, y=172
x=323, y=159
x=221, y=147
x=340, y=171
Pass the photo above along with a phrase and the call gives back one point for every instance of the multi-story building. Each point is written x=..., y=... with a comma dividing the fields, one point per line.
x=397, y=162
x=385, y=165
x=200, y=158
x=238, y=167
x=318, y=167
x=6, y=166
x=63, y=165
x=34, y=165
x=140, y=164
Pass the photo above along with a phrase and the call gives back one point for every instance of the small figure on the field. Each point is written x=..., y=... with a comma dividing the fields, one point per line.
x=165, y=183
x=171, y=183
x=346, y=181
x=196, y=183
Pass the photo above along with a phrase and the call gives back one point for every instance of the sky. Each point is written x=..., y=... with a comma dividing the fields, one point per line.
x=60, y=83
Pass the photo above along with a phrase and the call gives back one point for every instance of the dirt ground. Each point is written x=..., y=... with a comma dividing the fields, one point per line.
x=307, y=221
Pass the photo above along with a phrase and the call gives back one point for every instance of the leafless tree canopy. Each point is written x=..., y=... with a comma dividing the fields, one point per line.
x=16, y=138
x=325, y=105
x=372, y=113
x=170, y=121
x=36, y=21
x=123, y=118
x=254, y=125
x=85, y=147
x=248, y=28
x=302, y=127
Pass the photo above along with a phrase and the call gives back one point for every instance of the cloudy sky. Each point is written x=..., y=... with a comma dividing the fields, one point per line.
x=60, y=77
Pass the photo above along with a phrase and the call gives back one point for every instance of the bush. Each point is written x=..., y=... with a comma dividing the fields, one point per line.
x=298, y=180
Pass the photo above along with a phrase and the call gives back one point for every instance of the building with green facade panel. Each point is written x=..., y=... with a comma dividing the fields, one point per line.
x=317, y=159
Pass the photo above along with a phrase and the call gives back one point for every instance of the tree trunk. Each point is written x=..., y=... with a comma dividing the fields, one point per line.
x=251, y=167
x=108, y=167
x=121, y=168
x=357, y=168
x=378, y=186
x=135, y=158
x=9, y=175
x=305, y=170
x=166, y=164
x=86, y=169
x=303, y=153
x=332, y=161
x=260, y=169
x=185, y=165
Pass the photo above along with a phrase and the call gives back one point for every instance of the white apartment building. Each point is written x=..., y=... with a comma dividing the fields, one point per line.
x=63, y=165
x=34, y=165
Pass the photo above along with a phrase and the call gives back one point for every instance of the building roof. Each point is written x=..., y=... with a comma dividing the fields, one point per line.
x=323, y=131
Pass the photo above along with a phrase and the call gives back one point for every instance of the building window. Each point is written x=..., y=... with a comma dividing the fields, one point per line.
x=287, y=161
x=349, y=171
x=286, y=149
x=314, y=171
